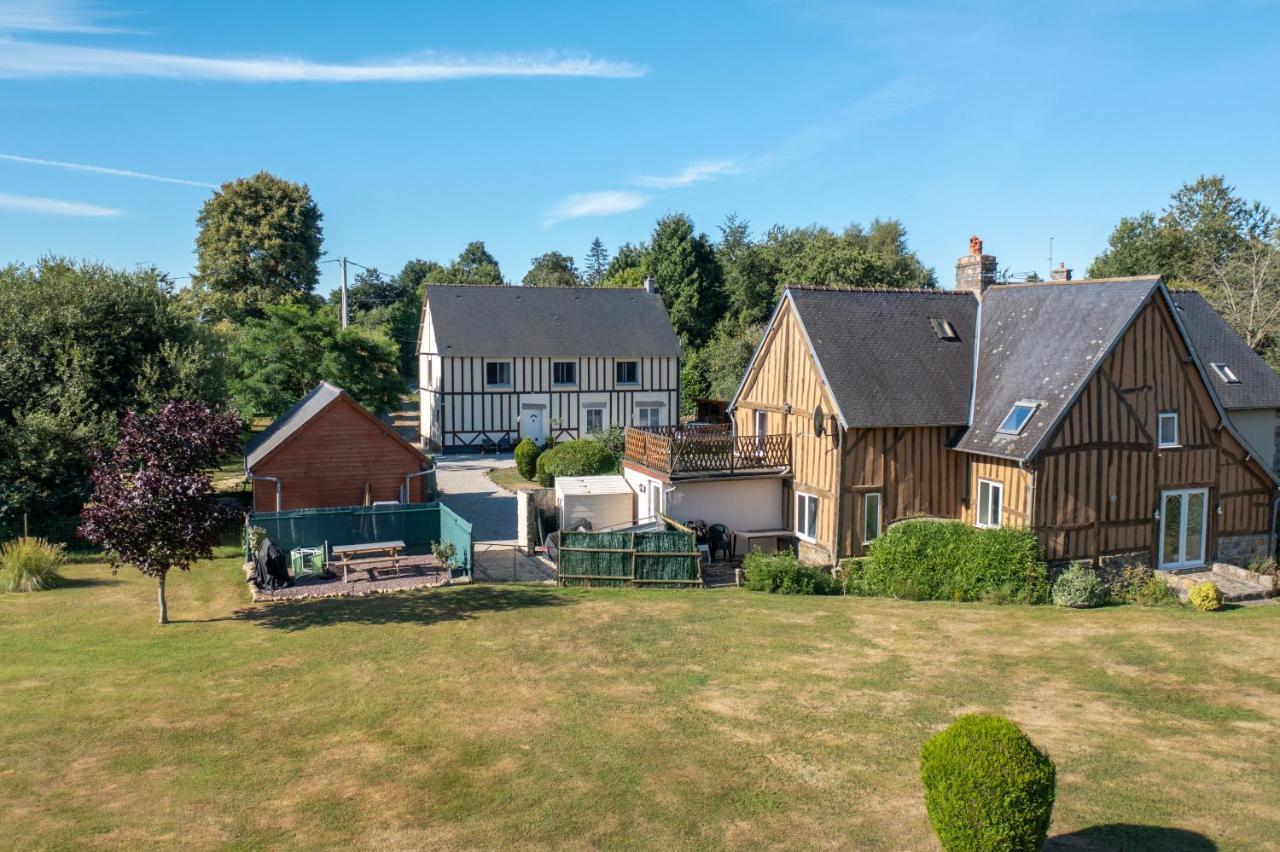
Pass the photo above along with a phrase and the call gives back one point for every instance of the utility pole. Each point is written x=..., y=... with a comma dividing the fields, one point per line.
x=344, y=292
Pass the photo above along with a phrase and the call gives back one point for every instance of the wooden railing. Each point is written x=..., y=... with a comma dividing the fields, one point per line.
x=671, y=450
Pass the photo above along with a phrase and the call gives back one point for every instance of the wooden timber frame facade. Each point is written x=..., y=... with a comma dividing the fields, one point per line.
x=1092, y=489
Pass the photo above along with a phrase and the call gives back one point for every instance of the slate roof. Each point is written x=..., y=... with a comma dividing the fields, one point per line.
x=1216, y=342
x=286, y=425
x=542, y=321
x=882, y=359
x=1042, y=342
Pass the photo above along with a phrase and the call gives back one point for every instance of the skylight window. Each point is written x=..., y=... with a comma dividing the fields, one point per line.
x=1018, y=416
x=1227, y=374
x=944, y=329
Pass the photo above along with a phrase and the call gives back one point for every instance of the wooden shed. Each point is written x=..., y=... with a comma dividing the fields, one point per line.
x=328, y=451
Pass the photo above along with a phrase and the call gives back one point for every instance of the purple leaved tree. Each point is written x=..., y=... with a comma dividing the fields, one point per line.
x=153, y=505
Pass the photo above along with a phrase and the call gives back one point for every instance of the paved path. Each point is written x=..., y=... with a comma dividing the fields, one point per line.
x=465, y=488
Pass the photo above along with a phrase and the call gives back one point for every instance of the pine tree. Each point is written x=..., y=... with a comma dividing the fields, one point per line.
x=597, y=263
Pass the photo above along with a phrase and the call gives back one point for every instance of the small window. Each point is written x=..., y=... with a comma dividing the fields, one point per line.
x=627, y=372
x=1016, y=420
x=1227, y=374
x=944, y=329
x=807, y=517
x=870, y=517
x=1168, y=434
x=595, y=421
x=649, y=417
x=564, y=373
x=497, y=373
x=990, y=498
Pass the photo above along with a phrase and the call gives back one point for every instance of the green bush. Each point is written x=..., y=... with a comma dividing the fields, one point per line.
x=986, y=786
x=527, y=452
x=851, y=574
x=927, y=559
x=30, y=565
x=582, y=457
x=1206, y=597
x=614, y=439
x=784, y=574
x=1080, y=588
x=1141, y=586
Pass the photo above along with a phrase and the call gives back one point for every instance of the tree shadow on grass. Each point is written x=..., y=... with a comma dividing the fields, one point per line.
x=422, y=607
x=86, y=582
x=1126, y=836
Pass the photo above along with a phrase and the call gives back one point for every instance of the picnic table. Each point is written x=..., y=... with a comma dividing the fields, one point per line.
x=385, y=550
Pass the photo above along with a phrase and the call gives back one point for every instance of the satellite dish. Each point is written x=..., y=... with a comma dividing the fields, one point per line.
x=819, y=421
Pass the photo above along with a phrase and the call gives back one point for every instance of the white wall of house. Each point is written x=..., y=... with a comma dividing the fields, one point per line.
x=1258, y=428
x=741, y=504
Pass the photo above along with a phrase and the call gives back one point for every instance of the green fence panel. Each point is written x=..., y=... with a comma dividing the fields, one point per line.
x=678, y=563
x=457, y=531
x=653, y=558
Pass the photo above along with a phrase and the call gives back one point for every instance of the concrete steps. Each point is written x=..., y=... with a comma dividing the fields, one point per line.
x=1236, y=584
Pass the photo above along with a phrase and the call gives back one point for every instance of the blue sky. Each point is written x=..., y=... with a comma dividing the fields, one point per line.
x=537, y=126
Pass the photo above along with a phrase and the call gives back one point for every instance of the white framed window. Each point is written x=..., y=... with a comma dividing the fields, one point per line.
x=1016, y=420
x=1227, y=374
x=595, y=421
x=497, y=374
x=564, y=373
x=1167, y=434
x=807, y=517
x=990, y=503
x=627, y=372
x=648, y=417
x=871, y=517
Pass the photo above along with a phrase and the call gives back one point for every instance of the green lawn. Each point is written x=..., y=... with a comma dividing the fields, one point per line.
x=531, y=716
x=510, y=479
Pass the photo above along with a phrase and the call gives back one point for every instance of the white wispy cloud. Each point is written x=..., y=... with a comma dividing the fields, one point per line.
x=52, y=206
x=689, y=175
x=608, y=203
x=104, y=170
x=31, y=60
x=51, y=16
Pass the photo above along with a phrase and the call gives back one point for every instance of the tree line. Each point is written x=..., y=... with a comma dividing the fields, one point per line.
x=82, y=343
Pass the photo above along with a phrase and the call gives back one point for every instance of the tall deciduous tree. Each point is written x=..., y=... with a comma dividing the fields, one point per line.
x=259, y=244
x=597, y=263
x=749, y=279
x=153, y=504
x=552, y=269
x=474, y=266
x=685, y=273
x=626, y=269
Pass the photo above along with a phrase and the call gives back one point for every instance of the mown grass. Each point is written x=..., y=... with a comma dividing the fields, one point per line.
x=510, y=479
x=534, y=717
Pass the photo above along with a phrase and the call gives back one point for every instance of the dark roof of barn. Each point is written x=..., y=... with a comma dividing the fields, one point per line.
x=299, y=415
x=541, y=321
x=882, y=359
x=1216, y=342
x=1042, y=342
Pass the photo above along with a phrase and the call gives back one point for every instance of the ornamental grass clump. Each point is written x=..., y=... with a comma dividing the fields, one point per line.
x=987, y=786
x=1079, y=588
x=1206, y=597
x=30, y=565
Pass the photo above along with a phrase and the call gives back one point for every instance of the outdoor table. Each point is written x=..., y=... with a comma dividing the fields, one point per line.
x=388, y=549
x=748, y=535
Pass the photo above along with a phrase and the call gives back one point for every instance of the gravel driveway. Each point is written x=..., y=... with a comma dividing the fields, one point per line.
x=465, y=488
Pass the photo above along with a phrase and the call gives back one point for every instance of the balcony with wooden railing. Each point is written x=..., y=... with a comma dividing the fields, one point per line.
x=677, y=450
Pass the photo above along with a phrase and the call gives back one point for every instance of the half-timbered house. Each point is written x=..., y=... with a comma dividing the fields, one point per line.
x=497, y=364
x=1079, y=409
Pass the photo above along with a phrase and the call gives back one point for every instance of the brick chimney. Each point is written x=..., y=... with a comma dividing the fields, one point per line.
x=975, y=272
x=1060, y=274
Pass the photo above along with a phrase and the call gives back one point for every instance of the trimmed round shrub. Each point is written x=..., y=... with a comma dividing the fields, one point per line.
x=30, y=565
x=784, y=574
x=986, y=786
x=581, y=457
x=1206, y=597
x=1080, y=588
x=527, y=452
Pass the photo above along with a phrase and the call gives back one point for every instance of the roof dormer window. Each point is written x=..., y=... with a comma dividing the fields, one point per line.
x=1227, y=374
x=1016, y=420
x=944, y=329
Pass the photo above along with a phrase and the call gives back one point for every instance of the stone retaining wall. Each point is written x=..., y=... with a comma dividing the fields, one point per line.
x=1243, y=550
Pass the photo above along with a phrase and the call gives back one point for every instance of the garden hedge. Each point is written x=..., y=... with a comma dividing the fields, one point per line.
x=784, y=574
x=581, y=457
x=527, y=452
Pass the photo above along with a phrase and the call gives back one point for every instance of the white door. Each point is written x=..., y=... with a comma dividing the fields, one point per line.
x=531, y=424
x=1184, y=518
x=655, y=498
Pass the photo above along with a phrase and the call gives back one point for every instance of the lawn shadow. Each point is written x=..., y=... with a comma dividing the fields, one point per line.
x=1131, y=837
x=420, y=607
x=86, y=582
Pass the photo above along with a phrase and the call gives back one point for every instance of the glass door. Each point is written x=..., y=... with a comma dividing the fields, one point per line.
x=1184, y=519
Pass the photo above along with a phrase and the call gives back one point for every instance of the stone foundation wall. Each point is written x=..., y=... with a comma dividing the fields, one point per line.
x=1243, y=550
x=1112, y=569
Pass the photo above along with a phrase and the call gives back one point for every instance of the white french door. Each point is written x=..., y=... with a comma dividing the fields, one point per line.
x=1184, y=518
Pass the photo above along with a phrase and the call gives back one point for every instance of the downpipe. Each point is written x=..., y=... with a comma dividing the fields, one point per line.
x=276, y=480
x=404, y=489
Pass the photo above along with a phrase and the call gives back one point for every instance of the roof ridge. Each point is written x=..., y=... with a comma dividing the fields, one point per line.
x=811, y=288
x=518, y=287
x=1073, y=283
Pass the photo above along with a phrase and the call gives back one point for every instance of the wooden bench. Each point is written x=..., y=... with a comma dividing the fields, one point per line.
x=387, y=550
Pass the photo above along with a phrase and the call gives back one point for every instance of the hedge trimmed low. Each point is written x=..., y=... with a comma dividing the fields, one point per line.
x=926, y=559
x=986, y=786
x=784, y=574
x=581, y=457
